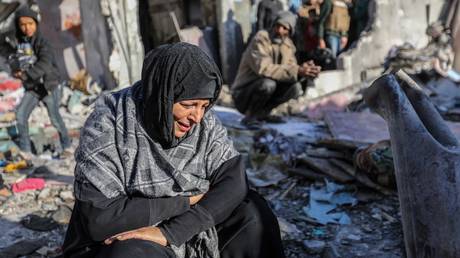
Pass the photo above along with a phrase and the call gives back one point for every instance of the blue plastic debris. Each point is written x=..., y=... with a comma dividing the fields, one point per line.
x=324, y=200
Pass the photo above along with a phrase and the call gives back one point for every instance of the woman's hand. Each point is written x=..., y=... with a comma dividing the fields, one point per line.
x=150, y=233
x=196, y=198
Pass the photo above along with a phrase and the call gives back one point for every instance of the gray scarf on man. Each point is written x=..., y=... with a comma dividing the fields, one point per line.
x=121, y=155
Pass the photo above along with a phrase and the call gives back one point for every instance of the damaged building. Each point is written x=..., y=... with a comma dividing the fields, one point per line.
x=125, y=30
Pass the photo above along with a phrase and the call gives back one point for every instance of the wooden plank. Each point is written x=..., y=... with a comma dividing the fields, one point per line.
x=325, y=167
x=340, y=145
x=326, y=153
x=360, y=176
x=345, y=166
x=306, y=173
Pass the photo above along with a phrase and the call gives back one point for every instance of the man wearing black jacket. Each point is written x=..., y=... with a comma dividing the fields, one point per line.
x=32, y=61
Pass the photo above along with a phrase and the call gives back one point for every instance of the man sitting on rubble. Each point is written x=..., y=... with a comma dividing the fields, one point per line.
x=268, y=74
x=32, y=61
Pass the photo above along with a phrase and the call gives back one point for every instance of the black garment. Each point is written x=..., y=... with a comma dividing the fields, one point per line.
x=266, y=13
x=251, y=231
x=8, y=44
x=169, y=76
x=96, y=218
x=45, y=68
x=325, y=10
x=135, y=249
x=228, y=188
x=263, y=95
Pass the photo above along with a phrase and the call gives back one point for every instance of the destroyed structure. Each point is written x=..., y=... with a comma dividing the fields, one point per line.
x=328, y=173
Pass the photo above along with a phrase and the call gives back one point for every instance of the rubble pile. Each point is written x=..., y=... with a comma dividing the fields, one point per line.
x=436, y=56
x=331, y=182
x=35, y=206
x=36, y=193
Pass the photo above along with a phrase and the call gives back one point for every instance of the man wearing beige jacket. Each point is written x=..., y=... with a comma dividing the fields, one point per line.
x=268, y=74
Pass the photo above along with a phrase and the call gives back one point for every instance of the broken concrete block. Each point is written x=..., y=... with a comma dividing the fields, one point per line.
x=44, y=194
x=67, y=196
x=62, y=215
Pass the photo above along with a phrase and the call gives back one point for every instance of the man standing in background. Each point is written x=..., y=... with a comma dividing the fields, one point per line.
x=334, y=25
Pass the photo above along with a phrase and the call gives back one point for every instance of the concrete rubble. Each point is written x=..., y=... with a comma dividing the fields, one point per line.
x=304, y=168
x=327, y=173
x=328, y=181
x=296, y=166
x=36, y=196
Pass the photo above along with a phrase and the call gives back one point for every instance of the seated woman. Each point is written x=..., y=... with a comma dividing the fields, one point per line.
x=157, y=176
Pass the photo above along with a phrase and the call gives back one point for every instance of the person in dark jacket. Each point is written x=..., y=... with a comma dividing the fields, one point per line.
x=32, y=61
x=157, y=176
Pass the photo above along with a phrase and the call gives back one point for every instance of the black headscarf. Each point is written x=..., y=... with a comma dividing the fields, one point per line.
x=172, y=73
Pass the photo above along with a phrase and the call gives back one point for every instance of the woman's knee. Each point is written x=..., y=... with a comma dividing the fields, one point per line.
x=258, y=214
x=135, y=248
x=251, y=231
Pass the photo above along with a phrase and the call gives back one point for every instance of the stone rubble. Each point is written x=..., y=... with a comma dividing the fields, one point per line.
x=286, y=163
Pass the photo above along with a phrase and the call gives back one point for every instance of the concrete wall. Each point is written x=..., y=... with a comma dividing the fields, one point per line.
x=128, y=54
x=234, y=25
x=396, y=22
x=61, y=25
x=235, y=19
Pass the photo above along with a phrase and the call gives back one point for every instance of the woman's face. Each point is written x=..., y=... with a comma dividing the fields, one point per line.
x=187, y=113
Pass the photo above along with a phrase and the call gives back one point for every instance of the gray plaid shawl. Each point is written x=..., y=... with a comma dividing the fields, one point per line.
x=117, y=156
